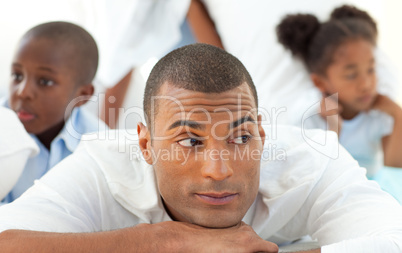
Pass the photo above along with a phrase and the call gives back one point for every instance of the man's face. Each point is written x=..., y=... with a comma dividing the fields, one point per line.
x=206, y=154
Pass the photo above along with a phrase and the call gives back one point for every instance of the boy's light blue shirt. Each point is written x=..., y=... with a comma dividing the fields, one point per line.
x=79, y=123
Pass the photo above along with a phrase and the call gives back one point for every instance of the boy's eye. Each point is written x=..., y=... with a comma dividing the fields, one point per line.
x=46, y=82
x=351, y=76
x=241, y=139
x=16, y=77
x=190, y=142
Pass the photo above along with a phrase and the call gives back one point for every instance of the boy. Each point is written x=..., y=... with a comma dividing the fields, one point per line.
x=54, y=64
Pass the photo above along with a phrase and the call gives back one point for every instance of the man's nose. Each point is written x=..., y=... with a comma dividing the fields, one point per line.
x=216, y=167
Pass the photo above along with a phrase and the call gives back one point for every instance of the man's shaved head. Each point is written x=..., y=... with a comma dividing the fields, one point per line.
x=197, y=67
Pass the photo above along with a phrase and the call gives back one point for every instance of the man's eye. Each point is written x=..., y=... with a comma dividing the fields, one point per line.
x=46, y=82
x=189, y=142
x=16, y=77
x=241, y=139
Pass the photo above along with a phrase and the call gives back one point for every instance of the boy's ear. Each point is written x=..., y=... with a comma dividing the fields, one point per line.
x=85, y=92
x=144, y=140
x=318, y=81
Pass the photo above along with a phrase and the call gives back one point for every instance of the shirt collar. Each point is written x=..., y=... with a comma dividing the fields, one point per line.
x=70, y=133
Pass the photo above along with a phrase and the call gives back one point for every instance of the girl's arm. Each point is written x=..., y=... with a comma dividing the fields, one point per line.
x=392, y=144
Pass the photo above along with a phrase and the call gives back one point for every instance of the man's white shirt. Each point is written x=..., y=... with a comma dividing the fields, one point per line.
x=107, y=185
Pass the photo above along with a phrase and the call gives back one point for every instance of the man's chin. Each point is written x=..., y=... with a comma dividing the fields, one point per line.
x=218, y=223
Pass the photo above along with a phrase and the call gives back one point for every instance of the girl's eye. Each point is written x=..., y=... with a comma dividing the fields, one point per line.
x=241, y=139
x=46, y=82
x=371, y=70
x=16, y=77
x=189, y=142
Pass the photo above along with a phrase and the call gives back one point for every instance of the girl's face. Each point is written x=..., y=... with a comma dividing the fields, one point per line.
x=352, y=75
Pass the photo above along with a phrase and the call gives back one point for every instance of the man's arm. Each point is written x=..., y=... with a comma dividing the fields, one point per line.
x=161, y=237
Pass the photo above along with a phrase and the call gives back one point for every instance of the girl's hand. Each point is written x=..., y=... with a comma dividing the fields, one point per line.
x=385, y=104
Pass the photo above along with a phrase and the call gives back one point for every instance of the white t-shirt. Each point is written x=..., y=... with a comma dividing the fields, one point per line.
x=361, y=136
x=107, y=185
x=16, y=146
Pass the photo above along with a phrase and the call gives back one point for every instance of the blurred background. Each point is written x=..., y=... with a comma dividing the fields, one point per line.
x=134, y=34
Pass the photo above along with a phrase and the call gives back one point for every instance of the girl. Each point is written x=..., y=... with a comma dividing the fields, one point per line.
x=339, y=57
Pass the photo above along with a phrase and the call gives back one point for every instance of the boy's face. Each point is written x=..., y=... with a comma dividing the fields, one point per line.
x=352, y=75
x=206, y=154
x=42, y=84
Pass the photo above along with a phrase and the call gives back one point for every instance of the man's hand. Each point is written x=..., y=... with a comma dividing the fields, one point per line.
x=170, y=236
x=187, y=237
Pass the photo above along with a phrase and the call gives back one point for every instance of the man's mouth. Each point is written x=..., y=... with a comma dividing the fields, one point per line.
x=217, y=198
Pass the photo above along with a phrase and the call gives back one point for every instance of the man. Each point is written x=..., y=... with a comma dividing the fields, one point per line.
x=203, y=181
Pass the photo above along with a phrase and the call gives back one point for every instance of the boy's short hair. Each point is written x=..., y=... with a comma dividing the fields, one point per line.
x=84, y=53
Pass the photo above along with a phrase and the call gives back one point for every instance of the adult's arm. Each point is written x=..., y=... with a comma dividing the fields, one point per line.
x=161, y=237
x=114, y=99
x=202, y=25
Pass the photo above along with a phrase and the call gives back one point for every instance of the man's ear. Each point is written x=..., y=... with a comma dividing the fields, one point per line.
x=319, y=82
x=144, y=140
x=261, y=130
x=84, y=92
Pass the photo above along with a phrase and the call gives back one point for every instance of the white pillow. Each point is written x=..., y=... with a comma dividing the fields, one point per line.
x=16, y=146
